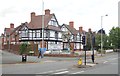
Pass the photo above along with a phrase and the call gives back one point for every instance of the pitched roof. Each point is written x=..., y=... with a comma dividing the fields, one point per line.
x=18, y=28
x=53, y=28
x=71, y=29
x=8, y=31
x=37, y=21
x=83, y=32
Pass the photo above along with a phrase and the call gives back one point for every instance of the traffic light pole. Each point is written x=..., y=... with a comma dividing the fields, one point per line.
x=84, y=46
x=85, y=53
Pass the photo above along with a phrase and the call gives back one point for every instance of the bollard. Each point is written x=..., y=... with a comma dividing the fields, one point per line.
x=92, y=58
x=80, y=61
x=24, y=57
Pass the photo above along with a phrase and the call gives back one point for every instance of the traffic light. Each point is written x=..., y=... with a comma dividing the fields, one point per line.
x=83, y=40
x=93, y=40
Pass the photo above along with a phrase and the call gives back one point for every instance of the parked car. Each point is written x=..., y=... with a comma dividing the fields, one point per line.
x=47, y=52
x=56, y=51
x=53, y=51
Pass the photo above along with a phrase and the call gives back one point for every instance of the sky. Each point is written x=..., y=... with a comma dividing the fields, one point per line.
x=85, y=13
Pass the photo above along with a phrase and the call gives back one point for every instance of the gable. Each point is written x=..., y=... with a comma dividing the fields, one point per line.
x=53, y=21
x=64, y=28
x=25, y=28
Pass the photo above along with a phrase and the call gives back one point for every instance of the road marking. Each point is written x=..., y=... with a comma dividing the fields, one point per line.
x=61, y=72
x=49, y=61
x=105, y=61
x=114, y=63
x=78, y=72
x=113, y=58
x=52, y=71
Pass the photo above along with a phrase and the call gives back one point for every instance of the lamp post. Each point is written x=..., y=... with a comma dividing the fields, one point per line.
x=42, y=24
x=101, y=33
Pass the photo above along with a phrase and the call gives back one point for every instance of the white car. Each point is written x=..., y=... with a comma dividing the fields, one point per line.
x=47, y=52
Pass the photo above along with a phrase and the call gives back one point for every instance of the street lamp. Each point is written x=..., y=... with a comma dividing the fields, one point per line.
x=42, y=24
x=101, y=33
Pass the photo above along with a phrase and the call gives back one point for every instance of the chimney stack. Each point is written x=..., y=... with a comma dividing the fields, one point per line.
x=89, y=30
x=71, y=23
x=81, y=29
x=47, y=12
x=32, y=15
x=11, y=25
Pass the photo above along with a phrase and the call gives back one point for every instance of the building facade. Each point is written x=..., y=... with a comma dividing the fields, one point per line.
x=72, y=38
x=32, y=32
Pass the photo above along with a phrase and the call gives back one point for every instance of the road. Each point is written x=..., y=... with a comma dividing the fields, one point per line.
x=108, y=64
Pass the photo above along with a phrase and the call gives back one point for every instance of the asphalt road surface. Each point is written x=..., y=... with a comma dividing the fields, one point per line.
x=108, y=64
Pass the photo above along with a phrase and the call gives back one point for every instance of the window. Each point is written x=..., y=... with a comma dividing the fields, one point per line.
x=60, y=35
x=72, y=37
x=64, y=29
x=47, y=33
x=30, y=34
x=33, y=34
x=38, y=34
x=24, y=33
x=75, y=38
x=52, y=34
x=56, y=35
x=44, y=33
x=53, y=22
x=78, y=38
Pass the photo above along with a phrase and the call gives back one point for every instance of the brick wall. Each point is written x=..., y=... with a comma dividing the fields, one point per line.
x=14, y=48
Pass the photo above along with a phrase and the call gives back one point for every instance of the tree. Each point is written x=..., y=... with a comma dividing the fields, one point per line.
x=88, y=41
x=24, y=48
x=114, y=37
x=67, y=36
x=98, y=41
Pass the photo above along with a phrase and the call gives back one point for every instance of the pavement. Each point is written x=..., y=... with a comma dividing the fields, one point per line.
x=60, y=65
x=0, y=62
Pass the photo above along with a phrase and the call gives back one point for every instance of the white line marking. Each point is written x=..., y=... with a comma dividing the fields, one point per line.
x=113, y=63
x=78, y=72
x=113, y=58
x=61, y=72
x=52, y=71
x=105, y=61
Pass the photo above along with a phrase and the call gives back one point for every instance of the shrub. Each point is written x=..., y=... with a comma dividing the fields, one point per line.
x=23, y=48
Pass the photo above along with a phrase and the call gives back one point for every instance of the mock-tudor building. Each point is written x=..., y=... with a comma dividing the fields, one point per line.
x=72, y=38
x=56, y=37
x=32, y=32
x=11, y=35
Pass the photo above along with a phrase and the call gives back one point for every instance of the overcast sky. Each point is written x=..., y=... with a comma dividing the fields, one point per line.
x=85, y=13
